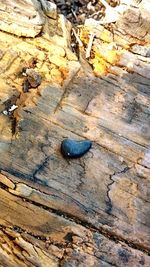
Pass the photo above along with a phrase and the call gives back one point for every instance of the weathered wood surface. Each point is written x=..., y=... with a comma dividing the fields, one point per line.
x=22, y=18
x=92, y=211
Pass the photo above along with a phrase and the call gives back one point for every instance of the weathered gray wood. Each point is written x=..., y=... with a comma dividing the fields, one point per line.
x=81, y=212
x=31, y=235
x=23, y=18
x=134, y=24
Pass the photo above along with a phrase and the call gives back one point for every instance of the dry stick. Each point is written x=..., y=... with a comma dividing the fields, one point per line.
x=77, y=38
x=88, y=50
x=74, y=14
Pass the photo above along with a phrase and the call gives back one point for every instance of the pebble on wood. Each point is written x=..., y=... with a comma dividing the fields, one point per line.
x=75, y=149
x=34, y=78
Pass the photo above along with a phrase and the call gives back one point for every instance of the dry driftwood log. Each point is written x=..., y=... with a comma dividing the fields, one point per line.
x=92, y=211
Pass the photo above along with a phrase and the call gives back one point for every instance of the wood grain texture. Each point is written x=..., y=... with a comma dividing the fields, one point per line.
x=92, y=211
x=22, y=18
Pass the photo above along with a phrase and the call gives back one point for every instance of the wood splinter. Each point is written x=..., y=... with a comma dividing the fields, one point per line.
x=88, y=50
x=77, y=38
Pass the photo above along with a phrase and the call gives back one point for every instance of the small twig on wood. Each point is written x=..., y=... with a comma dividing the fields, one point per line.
x=74, y=14
x=88, y=50
x=77, y=37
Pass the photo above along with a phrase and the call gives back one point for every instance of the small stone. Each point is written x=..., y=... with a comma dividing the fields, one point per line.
x=34, y=78
x=75, y=149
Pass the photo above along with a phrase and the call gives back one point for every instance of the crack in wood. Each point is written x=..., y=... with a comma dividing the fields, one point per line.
x=106, y=232
x=100, y=145
x=87, y=211
x=67, y=246
x=109, y=201
x=96, y=117
x=40, y=168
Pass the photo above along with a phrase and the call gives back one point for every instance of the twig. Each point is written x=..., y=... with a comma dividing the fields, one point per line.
x=74, y=14
x=88, y=50
x=77, y=37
